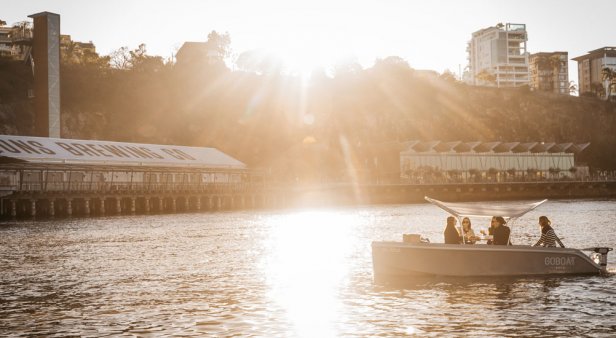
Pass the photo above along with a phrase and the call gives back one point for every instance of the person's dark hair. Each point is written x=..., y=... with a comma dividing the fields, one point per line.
x=451, y=220
x=543, y=220
x=500, y=220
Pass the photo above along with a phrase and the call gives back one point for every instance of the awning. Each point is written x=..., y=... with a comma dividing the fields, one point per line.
x=507, y=210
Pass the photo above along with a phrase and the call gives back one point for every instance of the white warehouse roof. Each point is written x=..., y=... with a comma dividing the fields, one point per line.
x=57, y=150
x=491, y=147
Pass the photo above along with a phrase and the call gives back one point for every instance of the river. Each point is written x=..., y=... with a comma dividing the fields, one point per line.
x=285, y=273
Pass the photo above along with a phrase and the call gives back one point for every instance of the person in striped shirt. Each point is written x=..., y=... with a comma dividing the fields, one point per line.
x=548, y=236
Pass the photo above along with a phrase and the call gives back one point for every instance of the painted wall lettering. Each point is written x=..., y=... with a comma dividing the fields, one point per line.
x=85, y=149
x=8, y=147
x=69, y=149
x=116, y=151
x=43, y=149
x=99, y=150
x=25, y=147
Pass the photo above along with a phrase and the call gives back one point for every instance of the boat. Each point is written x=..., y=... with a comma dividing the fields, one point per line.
x=416, y=257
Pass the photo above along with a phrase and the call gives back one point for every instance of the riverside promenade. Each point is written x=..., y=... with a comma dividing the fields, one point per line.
x=91, y=200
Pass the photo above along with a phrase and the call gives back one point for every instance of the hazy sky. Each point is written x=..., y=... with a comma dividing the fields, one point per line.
x=428, y=34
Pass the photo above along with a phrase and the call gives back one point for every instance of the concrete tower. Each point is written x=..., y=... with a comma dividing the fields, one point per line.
x=46, y=53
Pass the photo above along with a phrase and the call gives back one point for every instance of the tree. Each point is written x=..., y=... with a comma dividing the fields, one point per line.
x=141, y=62
x=219, y=45
x=259, y=61
x=392, y=62
x=454, y=174
x=449, y=76
x=120, y=58
x=474, y=173
x=597, y=89
x=347, y=66
x=493, y=172
x=609, y=77
x=572, y=88
x=549, y=70
x=486, y=76
x=2, y=23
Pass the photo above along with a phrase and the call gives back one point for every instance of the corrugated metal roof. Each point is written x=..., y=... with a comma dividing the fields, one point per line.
x=491, y=147
x=109, y=153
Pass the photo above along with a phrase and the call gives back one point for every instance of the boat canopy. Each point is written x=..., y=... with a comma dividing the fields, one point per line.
x=509, y=210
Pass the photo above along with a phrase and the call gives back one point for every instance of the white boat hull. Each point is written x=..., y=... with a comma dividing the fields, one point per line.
x=400, y=260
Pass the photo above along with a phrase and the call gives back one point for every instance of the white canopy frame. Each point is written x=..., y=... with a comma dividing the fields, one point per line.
x=509, y=211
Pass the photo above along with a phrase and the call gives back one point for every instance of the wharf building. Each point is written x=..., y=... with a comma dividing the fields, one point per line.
x=495, y=161
x=53, y=176
x=590, y=71
x=497, y=56
x=549, y=72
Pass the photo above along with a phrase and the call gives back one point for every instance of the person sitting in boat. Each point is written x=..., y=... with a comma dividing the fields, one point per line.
x=468, y=235
x=548, y=236
x=501, y=231
x=490, y=230
x=451, y=234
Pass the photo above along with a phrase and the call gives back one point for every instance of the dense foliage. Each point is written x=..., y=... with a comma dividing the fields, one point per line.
x=297, y=125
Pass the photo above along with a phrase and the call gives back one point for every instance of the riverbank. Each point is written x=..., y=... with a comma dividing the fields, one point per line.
x=130, y=202
x=455, y=192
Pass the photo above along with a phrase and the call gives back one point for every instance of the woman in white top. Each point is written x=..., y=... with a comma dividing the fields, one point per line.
x=467, y=232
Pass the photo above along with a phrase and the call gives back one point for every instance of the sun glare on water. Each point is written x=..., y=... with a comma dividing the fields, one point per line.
x=306, y=266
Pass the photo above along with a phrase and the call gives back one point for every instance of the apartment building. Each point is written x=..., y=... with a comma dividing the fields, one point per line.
x=15, y=41
x=74, y=51
x=498, y=56
x=192, y=53
x=590, y=67
x=549, y=72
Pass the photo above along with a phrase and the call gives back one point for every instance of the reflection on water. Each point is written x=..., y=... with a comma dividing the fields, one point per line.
x=306, y=268
x=303, y=273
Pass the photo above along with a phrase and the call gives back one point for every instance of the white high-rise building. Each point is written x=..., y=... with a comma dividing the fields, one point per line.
x=497, y=56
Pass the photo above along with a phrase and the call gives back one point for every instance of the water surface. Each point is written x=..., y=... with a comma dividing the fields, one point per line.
x=287, y=273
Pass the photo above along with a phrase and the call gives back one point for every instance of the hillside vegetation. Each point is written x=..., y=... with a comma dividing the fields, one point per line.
x=265, y=118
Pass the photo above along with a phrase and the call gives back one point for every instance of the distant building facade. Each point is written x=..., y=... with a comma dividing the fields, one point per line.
x=192, y=53
x=500, y=159
x=590, y=66
x=73, y=51
x=549, y=72
x=16, y=41
x=497, y=56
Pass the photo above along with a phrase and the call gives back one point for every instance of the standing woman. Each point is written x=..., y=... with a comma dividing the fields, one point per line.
x=548, y=236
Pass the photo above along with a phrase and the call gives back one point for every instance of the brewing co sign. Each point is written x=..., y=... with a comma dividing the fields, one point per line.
x=40, y=149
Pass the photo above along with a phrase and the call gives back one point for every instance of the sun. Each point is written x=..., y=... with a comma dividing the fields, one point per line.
x=304, y=56
x=302, y=49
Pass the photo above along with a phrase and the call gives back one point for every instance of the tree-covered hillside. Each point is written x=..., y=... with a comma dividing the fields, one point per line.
x=264, y=117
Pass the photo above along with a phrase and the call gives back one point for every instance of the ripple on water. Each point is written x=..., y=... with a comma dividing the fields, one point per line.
x=286, y=273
